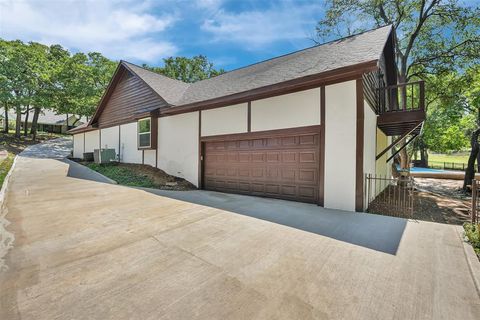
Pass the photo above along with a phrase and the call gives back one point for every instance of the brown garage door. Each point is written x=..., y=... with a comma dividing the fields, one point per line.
x=283, y=164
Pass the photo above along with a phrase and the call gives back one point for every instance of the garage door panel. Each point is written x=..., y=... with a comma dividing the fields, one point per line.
x=307, y=157
x=283, y=167
x=307, y=176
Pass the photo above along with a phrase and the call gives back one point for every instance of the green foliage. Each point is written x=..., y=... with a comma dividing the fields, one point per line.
x=437, y=41
x=472, y=232
x=122, y=175
x=449, y=122
x=32, y=74
x=187, y=69
x=431, y=36
x=82, y=79
x=5, y=166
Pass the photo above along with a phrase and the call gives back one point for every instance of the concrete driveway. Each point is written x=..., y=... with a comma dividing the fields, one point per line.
x=90, y=250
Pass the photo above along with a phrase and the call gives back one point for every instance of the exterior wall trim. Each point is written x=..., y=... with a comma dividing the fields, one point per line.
x=309, y=82
x=249, y=116
x=321, y=171
x=260, y=134
x=200, y=151
x=359, y=146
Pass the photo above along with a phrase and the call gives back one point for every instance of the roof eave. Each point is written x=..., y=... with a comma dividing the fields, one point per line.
x=303, y=83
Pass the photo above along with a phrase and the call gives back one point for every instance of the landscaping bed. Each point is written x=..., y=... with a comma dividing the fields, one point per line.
x=138, y=175
x=472, y=232
x=5, y=165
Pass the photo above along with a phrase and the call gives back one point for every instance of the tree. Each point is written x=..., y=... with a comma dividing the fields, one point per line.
x=450, y=120
x=79, y=81
x=187, y=69
x=16, y=75
x=431, y=36
x=473, y=103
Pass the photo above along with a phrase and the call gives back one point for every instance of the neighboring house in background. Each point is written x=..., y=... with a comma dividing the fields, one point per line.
x=307, y=126
x=49, y=121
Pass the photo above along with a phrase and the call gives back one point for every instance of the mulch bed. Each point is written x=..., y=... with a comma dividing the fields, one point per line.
x=435, y=200
x=139, y=175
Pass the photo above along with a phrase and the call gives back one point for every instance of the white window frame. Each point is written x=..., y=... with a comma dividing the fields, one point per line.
x=140, y=133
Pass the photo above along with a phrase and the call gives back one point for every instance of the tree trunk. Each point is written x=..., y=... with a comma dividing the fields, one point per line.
x=33, y=130
x=470, y=171
x=25, y=123
x=5, y=127
x=424, y=156
x=18, y=121
x=478, y=162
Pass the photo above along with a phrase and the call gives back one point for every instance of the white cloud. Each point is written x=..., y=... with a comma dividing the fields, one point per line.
x=283, y=21
x=118, y=30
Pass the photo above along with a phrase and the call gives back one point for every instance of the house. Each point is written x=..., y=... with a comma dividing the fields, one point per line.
x=49, y=121
x=307, y=126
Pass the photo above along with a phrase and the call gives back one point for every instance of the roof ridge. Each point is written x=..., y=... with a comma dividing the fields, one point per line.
x=155, y=73
x=262, y=61
x=297, y=51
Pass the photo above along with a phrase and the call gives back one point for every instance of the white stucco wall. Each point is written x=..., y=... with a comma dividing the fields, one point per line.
x=178, y=145
x=129, y=152
x=92, y=140
x=109, y=138
x=340, y=145
x=149, y=157
x=382, y=167
x=297, y=109
x=78, y=145
x=369, y=144
x=226, y=120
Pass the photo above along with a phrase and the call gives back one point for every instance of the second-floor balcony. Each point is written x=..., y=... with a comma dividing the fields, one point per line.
x=401, y=108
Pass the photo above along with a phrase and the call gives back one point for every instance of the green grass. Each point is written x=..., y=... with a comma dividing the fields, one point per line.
x=5, y=166
x=472, y=231
x=122, y=175
x=454, y=157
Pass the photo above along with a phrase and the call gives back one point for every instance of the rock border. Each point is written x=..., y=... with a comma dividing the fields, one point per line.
x=6, y=238
x=471, y=257
x=3, y=189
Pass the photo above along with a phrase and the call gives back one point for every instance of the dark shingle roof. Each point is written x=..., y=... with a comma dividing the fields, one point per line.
x=364, y=47
x=170, y=90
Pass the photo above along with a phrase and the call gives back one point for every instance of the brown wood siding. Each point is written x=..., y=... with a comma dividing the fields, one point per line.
x=129, y=97
x=372, y=83
x=281, y=165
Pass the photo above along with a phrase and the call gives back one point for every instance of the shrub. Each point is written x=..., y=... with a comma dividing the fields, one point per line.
x=5, y=166
x=472, y=232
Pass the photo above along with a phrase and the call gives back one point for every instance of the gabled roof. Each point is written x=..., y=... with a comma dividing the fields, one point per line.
x=170, y=90
x=47, y=116
x=356, y=50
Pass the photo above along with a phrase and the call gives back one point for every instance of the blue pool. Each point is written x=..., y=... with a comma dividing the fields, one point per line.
x=425, y=170
x=415, y=169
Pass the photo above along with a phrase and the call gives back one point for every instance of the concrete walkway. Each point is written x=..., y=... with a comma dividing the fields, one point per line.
x=90, y=250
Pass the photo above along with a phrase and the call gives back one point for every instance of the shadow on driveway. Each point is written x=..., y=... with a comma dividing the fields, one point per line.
x=380, y=233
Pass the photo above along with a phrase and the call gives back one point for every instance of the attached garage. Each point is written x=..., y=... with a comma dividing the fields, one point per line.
x=298, y=127
x=280, y=164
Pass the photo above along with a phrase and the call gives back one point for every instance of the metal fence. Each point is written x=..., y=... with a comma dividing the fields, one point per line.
x=445, y=165
x=475, y=210
x=390, y=196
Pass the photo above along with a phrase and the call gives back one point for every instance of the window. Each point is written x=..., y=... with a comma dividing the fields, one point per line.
x=144, y=133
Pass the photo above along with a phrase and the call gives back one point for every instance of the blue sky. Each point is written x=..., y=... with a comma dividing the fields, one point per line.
x=231, y=33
